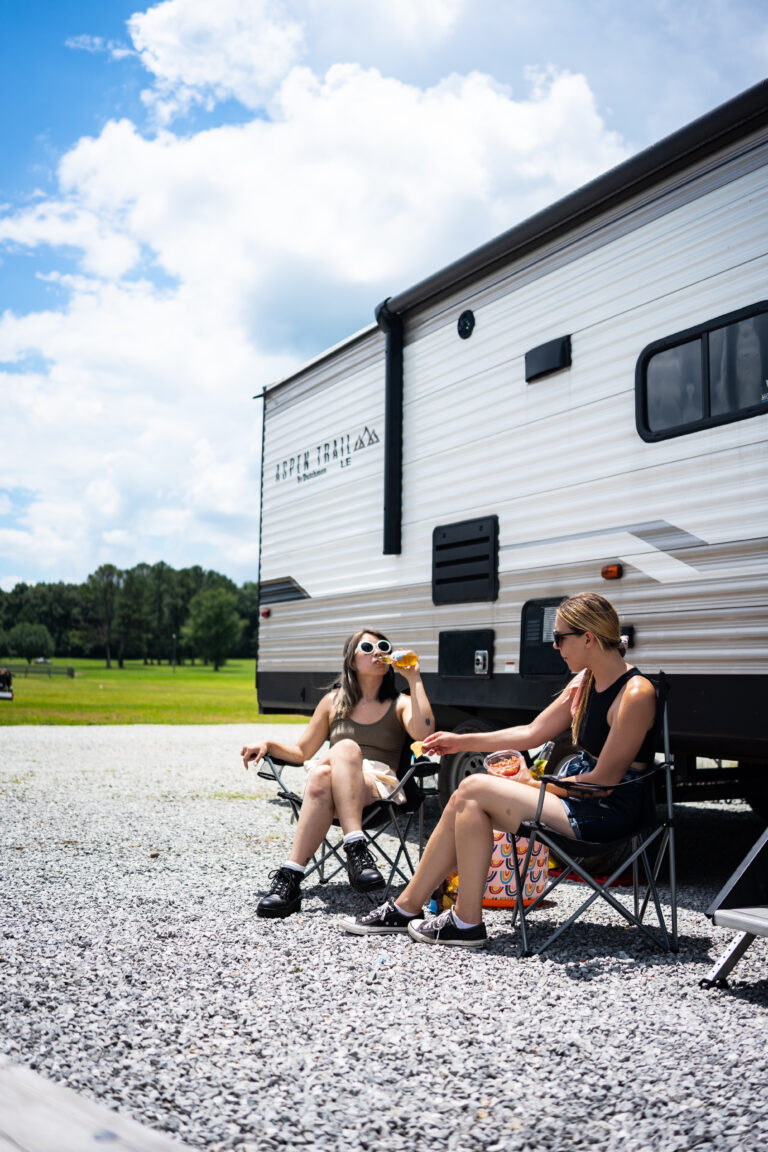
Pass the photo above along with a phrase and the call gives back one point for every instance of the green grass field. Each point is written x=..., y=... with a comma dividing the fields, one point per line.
x=138, y=694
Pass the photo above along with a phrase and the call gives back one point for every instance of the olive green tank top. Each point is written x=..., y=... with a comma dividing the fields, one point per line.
x=383, y=740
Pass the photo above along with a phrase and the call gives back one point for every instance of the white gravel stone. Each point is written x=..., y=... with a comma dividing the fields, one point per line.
x=134, y=970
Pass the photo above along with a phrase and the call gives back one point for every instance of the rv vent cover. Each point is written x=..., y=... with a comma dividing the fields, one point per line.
x=284, y=588
x=550, y=357
x=465, y=561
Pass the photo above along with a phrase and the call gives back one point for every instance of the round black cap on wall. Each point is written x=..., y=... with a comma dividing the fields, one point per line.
x=466, y=324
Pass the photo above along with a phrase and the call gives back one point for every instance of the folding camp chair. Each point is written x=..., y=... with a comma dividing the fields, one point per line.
x=742, y=904
x=653, y=832
x=384, y=816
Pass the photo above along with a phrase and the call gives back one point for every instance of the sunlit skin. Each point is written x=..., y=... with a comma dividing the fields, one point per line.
x=336, y=787
x=463, y=838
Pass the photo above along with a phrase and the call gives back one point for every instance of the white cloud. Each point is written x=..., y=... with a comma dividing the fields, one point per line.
x=419, y=18
x=86, y=43
x=423, y=22
x=105, y=251
x=209, y=264
x=202, y=53
x=199, y=52
x=318, y=186
x=97, y=44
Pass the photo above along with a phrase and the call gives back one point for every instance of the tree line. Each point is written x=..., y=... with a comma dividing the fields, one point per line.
x=150, y=612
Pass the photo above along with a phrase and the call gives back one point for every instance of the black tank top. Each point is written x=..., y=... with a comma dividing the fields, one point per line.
x=595, y=728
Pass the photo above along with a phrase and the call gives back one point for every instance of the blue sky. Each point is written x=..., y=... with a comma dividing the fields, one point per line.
x=180, y=185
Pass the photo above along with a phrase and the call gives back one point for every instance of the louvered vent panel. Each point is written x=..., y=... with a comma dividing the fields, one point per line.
x=465, y=561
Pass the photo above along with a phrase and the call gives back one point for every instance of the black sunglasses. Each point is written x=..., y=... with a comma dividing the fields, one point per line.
x=558, y=637
x=368, y=646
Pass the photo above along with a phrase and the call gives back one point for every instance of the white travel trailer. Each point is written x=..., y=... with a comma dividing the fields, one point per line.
x=581, y=403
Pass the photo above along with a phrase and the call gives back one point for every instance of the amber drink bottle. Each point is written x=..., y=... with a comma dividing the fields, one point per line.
x=400, y=658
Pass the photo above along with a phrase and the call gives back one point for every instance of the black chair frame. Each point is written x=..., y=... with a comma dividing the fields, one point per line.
x=741, y=905
x=387, y=815
x=653, y=833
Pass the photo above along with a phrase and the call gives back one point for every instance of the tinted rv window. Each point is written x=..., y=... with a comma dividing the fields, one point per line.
x=708, y=375
x=738, y=365
x=673, y=382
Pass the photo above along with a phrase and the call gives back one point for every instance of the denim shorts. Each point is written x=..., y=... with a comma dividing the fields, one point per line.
x=600, y=819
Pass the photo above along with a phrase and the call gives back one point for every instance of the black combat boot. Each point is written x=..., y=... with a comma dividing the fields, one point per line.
x=284, y=896
x=363, y=874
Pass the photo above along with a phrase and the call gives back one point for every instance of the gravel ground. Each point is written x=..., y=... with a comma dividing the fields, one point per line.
x=133, y=969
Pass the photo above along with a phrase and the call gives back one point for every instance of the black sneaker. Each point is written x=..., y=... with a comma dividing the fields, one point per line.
x=443, y=929
x=284, y=896
x=363, y=874
x=382, y=920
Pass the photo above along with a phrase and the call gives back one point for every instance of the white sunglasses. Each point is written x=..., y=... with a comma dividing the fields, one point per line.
x=368, y=647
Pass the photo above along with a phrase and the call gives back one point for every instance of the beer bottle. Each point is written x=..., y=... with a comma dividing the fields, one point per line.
x=541, y=761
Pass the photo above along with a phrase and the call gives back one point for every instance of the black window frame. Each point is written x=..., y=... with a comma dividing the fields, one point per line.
x=699, y=331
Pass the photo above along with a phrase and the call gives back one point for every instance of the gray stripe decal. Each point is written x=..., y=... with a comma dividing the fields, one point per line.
x=658, y=533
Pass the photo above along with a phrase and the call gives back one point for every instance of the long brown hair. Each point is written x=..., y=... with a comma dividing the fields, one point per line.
x=590, y=612
x=348, y=690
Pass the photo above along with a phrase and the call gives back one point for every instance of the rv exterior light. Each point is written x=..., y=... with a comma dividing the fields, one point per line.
x=265, y=613
x=466, y=325
x=612, y=571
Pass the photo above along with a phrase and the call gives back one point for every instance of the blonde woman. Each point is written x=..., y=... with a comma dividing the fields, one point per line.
x=366, y=722
x=612, y=720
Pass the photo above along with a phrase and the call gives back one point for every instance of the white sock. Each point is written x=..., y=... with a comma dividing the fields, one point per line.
x=463, y=923
x=402, y=911
x=350, y=836
x=295, y=867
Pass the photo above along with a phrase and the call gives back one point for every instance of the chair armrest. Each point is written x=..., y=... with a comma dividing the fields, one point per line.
x=575, y=782
x=271, y=766
x=424, y=767
x=418, y=768
x=282, y=763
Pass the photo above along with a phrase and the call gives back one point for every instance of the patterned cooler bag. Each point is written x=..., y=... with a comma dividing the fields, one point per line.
x=501, y=885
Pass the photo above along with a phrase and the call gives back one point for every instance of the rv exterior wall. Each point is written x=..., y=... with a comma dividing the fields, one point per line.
x=559, y=461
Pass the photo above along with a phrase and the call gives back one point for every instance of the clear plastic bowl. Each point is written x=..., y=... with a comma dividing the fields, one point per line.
x=505, y=763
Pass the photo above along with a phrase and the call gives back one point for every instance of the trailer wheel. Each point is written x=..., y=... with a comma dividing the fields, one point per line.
x=754, y=779
x=454, y=769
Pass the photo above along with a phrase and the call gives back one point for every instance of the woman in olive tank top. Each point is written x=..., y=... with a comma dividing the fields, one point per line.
x=365, y=721
x=611, y=709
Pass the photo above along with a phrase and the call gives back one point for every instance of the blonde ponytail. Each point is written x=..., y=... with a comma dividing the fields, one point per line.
x=591, y=612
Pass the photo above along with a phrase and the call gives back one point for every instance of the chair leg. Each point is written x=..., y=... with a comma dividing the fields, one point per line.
x=666, y=847
x=654, y=892
x=519, y=905
x=320, y=862
x=598, y=890
x=726, y=963
x=673, y=887
x=402, y=851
